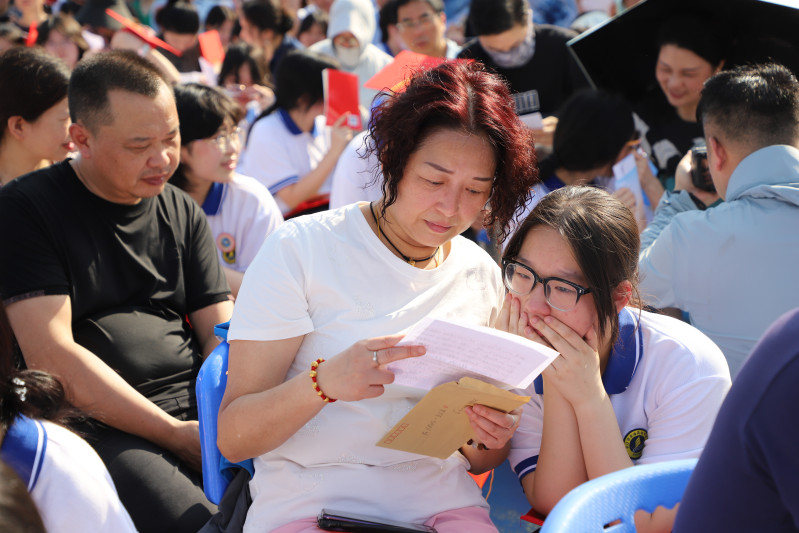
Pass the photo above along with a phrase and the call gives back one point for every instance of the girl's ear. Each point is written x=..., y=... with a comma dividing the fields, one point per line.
x=622, y=295
x=16, y=127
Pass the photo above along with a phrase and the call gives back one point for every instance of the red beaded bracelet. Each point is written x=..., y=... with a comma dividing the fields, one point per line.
x=312, y=373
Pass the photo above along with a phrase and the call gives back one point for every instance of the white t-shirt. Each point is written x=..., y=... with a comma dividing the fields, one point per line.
x=74, y=491
x=666, y=382
x=354, y=177
x=278, y=153
x=328, y=277
x=241, y=214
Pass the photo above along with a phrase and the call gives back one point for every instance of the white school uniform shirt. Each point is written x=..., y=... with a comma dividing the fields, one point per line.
x=241, y=213
x=278, y=153
x=356, y=176
x=66, y=479
x=666, y=382
x=329, y=278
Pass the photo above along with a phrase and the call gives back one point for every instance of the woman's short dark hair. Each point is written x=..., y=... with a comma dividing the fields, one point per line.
x=242, y=53
x=698, y=33
x=603, y=237
x=491, y=17
x=593, y=127
x=178, y=17
x=65, y=25
x=217, y=16
x=317, y=16
x=299, y=80
x=268, y=15
x=465, y=97
x=31, y=82
x=202, y=110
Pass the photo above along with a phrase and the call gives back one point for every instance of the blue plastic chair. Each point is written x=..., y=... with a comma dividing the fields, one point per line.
x=617, y=496
x=210, y=387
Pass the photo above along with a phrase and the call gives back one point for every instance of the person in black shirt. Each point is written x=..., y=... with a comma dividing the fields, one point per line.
x=111, y=282
x=533, y=58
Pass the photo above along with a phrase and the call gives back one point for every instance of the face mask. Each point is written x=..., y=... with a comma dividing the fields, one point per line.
x=517, y=56
x=348, y=57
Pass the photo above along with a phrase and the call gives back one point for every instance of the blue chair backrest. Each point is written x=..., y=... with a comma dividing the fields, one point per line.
x=211, y=382
x=617, y=496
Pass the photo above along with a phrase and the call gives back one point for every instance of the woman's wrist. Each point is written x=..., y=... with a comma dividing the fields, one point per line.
x=315, y=383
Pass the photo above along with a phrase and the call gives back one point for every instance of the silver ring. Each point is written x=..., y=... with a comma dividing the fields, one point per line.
x=374, y=358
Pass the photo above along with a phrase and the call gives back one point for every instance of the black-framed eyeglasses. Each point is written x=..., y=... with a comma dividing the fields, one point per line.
x=561, y=294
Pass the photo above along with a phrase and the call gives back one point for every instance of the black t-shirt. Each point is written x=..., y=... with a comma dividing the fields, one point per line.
x=548, y=79
x=133, y=273
x=667, y=137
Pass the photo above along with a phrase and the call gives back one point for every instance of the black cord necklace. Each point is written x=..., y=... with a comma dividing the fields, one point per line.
x=404, y=257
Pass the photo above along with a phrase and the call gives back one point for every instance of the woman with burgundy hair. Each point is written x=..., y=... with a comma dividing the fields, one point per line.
x=340, y=285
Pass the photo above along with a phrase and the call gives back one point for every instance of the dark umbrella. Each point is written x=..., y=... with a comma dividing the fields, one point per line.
x=620, y=55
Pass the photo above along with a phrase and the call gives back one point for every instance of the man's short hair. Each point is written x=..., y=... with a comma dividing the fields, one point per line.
x=756, y=105
x=436, y=5
x=94, y=77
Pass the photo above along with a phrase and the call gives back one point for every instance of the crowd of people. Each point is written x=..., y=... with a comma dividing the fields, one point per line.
x=148, y=194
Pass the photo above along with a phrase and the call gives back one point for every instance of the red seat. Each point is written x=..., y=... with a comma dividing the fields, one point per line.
x=314, y=204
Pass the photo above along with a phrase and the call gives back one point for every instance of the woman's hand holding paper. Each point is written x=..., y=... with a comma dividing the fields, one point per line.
x=354, y=375
x=493, y=428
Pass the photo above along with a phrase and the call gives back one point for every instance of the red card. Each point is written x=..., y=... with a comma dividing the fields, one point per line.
x=139, y=31
x=33, y=34
x=341, y=97
x=396, y=74
x=211, y=47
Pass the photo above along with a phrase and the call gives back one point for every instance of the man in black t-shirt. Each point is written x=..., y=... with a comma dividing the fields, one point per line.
x=111, y=282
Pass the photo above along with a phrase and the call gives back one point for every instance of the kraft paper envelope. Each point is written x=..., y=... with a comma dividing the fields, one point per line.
x=438, y=426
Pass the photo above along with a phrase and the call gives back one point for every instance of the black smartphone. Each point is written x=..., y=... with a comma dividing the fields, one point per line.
x=700, y=172
x=330, y=520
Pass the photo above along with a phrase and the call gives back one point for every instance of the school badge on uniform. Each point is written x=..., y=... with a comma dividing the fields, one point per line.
x=634, y=442
x=227, y=245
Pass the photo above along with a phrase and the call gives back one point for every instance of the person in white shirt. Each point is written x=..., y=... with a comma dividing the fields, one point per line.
x=340, y=285
x=349, y=40
x=357, y=175
x=629, y=386
x=289, y=148
x=66, y=478
x=240, y=211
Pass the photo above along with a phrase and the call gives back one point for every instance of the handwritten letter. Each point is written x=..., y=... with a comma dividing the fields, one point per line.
x=455, y=351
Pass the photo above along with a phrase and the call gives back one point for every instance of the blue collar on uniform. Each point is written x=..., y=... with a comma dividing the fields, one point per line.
x=553, y=183
x=291, y=125
x=624, y=358
x=23, y=449
x=213, y=202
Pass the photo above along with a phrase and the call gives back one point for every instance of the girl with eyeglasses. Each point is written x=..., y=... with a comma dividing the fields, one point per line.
x=629, y=386
x=240, y=211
